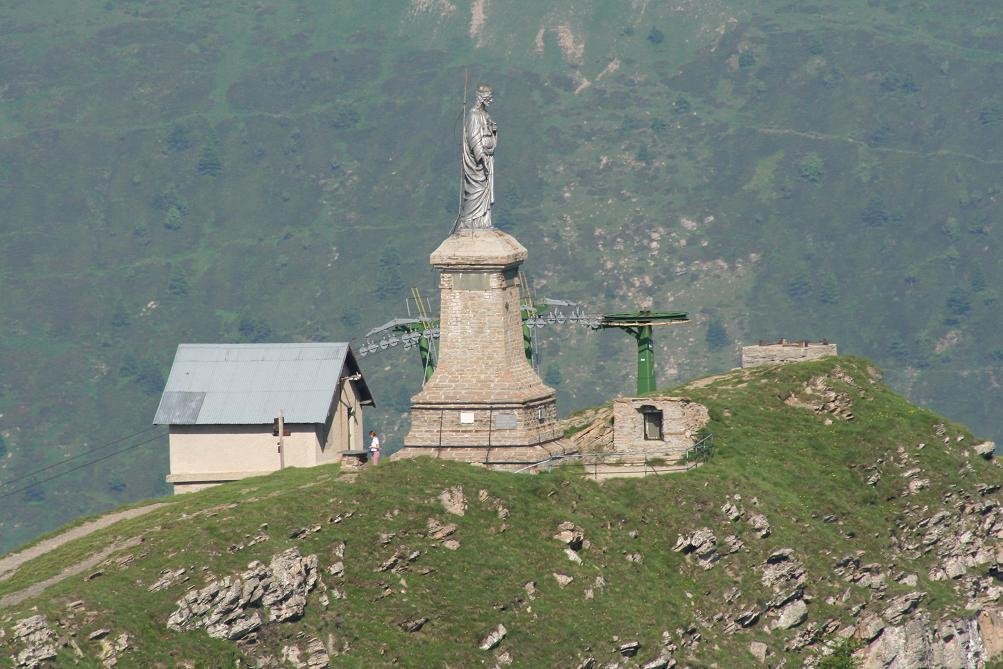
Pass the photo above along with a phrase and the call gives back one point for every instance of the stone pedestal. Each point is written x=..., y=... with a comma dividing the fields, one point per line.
x=484, y=403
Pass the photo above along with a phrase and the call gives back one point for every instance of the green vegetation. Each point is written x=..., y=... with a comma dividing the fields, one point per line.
x=842, y=657
x=174, y=171
x=784, y=461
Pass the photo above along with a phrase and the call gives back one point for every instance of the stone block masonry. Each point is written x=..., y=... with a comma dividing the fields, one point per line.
x=785, y=351
x=484, y=403
x=677, y=423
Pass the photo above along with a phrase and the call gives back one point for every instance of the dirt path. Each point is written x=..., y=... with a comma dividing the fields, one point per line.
x=10, y=563
x=14, y=598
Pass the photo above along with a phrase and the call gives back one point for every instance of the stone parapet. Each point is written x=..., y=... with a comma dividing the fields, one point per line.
x=496, y=457
x=785, y=351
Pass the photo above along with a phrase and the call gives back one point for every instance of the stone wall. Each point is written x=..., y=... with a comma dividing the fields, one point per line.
x=785, y=351
x=681, y=421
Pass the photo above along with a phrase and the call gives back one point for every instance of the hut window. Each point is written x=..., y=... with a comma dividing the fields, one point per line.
x=652, y=423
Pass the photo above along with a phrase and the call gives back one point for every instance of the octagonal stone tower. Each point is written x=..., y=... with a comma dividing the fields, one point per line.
x=484, y=403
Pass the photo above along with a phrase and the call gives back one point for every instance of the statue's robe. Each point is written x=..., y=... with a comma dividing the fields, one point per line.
x=480, y=138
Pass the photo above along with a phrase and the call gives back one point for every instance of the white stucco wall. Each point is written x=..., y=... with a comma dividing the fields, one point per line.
x=202, y=455
x=232, y=449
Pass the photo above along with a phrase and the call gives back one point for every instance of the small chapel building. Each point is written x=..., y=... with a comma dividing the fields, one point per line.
x=223, y=403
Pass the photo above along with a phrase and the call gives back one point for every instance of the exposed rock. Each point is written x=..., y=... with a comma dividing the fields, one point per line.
x=629, y=649
x=954, y=567
x=663, y=661
x=571, y=535
x=792, y=615
x=733, y=544
x=869, y=628
x=453, y=500
x=760, y=524
x=451, y=544
x=301, y=532
x=563, y=579
x=99, y=634
x=747, y=618
x=392, y=562
x=438, y=530
x=701, y=544
x=414, y=624
x=986, y=449
x=493, y=638
x=317, y=655
x=110, y=650
x=916, y=644
x=731, y=511
x=291, y=655
x=38, y=640
x=758, y=650
x=990, y=628
x=573, y=556
x=168, y=577
x=782, y=569
x=796, y=591
x=900, y=606
x=221, y=607
x=293, y=577
x=810, y=635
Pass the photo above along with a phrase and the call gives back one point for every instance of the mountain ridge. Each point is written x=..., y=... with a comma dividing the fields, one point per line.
x=878, y=524
x=171, y=172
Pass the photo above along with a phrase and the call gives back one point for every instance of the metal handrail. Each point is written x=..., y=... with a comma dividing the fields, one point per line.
x=551, y=459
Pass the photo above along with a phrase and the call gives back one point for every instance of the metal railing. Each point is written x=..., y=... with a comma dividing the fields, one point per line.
x=694, y=456
x=702, y=450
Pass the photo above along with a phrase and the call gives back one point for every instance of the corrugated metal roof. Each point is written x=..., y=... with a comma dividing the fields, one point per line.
x=234, y=384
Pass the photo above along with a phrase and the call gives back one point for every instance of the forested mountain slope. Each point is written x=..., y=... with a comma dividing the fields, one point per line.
x=204, y=171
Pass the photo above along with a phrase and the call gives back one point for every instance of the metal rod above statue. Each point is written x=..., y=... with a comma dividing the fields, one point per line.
x=480, y=137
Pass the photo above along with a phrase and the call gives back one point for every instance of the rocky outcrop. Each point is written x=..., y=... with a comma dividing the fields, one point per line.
x=453, y=500
x=919, y=642
x=231, y=607
x=493, y=638
x=37, y=640
x=986, y=449
x=701, y=544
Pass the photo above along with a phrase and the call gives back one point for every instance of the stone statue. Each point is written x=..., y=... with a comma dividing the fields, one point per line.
x=480, y=136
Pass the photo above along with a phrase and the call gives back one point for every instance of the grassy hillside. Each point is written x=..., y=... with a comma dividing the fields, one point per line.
x=807, y=477
x=183, y=171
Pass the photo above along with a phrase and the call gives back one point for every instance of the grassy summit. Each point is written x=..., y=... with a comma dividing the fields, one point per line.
x=806, y=472
x=177, y=171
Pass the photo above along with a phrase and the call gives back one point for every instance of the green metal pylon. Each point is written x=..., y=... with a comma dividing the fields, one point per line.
x=427, y=358
x=639, y=324
x=645, y=360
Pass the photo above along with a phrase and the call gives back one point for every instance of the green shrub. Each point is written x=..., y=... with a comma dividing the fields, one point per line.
x=842, y=657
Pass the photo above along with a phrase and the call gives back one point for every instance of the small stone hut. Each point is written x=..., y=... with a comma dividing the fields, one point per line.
x=666, y=424
x=222, y=401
